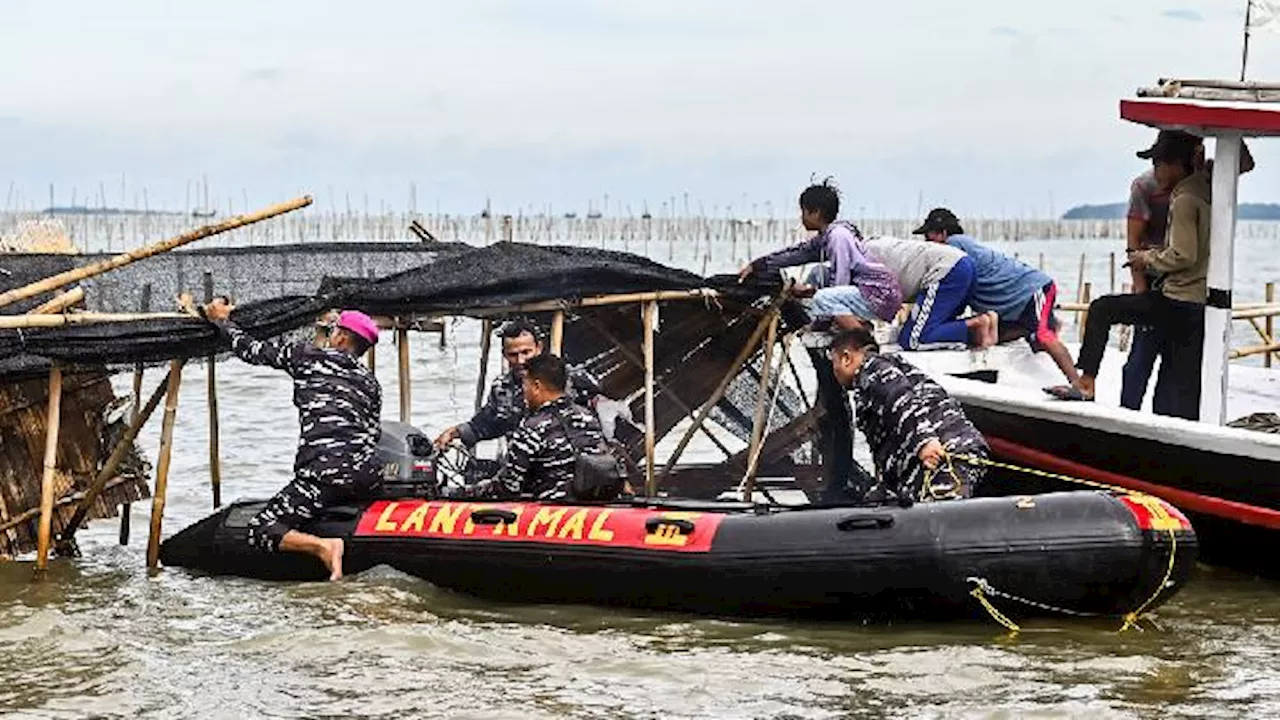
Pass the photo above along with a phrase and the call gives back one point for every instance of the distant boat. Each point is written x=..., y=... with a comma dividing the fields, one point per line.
x=203, y=213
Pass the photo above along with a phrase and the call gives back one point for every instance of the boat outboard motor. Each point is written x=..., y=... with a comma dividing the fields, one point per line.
x=408, y=462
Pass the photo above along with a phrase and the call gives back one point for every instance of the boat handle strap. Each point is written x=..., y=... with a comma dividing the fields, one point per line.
x=879, y=521
x=493, y=516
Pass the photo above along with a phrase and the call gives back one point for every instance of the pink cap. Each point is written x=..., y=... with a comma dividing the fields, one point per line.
x=360, y=324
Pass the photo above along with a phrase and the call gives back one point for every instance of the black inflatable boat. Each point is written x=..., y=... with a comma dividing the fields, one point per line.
x=1088, y=552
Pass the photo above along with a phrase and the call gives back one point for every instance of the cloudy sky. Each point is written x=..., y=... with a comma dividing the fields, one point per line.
x=990, y=106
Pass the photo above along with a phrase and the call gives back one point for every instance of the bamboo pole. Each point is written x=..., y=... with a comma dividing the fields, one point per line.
x=1270, y=298
x=22, y=322
x=402, y=347
x=60, y=302
x=486, y=340
x=1264, y=311
x=53, y=419
x=1113, y=273
x=650, y=442
x=1080, y=298
x=126, y=515
x=371, y=358
x=1087, y=292
x=118, y=454
x=162, y=466
x=66, y=278
x=598, y=301
x=215, y=453
x=1251, y=350
x=557, y=332
x=748, y=349
x=762, y=398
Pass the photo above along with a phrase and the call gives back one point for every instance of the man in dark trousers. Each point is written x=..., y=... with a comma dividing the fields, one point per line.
x=1175, y=304
x=339, y=406
x=506, y=406
x=543, y=452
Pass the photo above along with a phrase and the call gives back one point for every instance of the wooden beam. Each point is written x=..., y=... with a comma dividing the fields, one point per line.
x=406, y=397
x=162, y=465
x=650, y=316
x=215, y=453
x=55, y=282
x=126, y=516
x=53, y=419
x=16, y=322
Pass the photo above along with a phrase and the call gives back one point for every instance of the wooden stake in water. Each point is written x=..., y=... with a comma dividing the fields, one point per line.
x=126, y=508
x=53, y=419
x=650, y=316
x=1086, y=296
x=215, y=454
x=406, y=398
x=762, y=404
x=1270, y=298
x=162, y=465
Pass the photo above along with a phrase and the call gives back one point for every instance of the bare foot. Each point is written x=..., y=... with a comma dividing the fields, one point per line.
x=332, y=557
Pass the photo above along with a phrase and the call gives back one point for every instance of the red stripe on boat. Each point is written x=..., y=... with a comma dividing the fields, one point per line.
x=530, y=522
x=1209, y=505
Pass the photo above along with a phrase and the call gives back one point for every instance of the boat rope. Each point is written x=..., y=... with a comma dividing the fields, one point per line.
x=1154, y=505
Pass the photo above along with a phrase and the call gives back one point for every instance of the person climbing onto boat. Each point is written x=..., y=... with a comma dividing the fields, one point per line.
x=938, y=279
x=544, y=453
x=847, y=287
x=1016, y=292
x=1148, y=222
x=339, y=406
x=923, y=445
x=506, y=405
x=1175, y=303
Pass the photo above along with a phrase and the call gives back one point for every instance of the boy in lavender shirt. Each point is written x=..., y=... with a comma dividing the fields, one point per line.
x=855, y=288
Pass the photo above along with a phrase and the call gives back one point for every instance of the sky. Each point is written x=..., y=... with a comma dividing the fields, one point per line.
x=992, y=107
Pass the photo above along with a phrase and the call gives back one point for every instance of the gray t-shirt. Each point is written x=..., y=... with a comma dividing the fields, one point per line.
x=917, y=263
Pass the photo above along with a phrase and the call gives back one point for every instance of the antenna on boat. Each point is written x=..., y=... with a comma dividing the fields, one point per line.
x=1258, y=15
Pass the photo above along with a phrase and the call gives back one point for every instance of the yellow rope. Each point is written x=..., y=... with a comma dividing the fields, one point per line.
x=996, y=615
x=1154, y=505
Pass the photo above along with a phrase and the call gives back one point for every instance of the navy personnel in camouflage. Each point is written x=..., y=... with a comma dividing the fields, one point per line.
x=543, y=451
x=913, y=426
x=339, y=407
x=506, y=406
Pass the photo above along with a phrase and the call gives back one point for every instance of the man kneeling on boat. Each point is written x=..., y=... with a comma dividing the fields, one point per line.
x=339, y=403
x=923, y=445
x=506, y=406
x=558, y=452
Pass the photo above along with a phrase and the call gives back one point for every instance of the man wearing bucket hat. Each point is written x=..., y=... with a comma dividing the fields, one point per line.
x=339, y=407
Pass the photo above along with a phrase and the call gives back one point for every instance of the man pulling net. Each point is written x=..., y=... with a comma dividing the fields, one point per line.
x=339, y=404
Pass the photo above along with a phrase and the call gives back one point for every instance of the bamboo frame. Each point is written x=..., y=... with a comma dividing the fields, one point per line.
x=162, y=466
x=211, y=388
x=762, y=402
x=596, y=301
x=118, y=454
x=53, y=421
x=1270, y=298
x=406, y=397
x=66, y=278
x=661, y=384
x=744, y=355
x=23, y=322
x=650, y=442
x=126, y=514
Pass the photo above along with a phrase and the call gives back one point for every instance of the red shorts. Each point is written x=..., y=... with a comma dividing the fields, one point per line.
x=1038, y=320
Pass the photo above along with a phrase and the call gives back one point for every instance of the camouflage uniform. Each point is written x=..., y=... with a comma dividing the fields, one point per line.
x=506, y=407
x=339, y=407
x=542, y=453
x=899, y=409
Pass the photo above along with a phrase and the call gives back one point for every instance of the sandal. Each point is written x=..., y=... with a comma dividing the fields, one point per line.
x=1069, y=393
